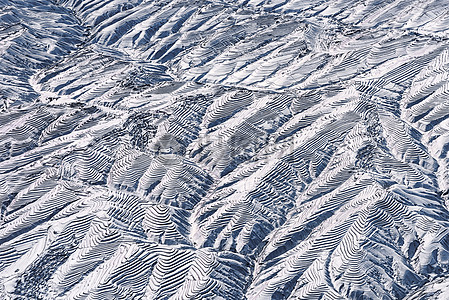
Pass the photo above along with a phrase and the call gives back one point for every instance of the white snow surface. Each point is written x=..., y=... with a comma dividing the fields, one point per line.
x=244, y=149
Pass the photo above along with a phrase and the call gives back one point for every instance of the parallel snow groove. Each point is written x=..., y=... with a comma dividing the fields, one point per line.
x=72, y=78
x=427, y=108
x=224, y=150
x=28, y=45
x=383, y=212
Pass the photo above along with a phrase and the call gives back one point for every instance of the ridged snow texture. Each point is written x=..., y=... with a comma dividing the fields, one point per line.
x=224, y=149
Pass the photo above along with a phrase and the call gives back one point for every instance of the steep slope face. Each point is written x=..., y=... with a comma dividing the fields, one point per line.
x=224, y=150
x=33, y=35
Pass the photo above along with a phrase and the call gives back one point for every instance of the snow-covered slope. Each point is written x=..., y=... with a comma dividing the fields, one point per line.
x=224, y=149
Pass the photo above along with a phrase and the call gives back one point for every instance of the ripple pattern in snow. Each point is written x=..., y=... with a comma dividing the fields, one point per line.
x=224, y=149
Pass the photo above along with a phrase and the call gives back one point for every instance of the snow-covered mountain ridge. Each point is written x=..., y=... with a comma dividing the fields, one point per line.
x=224, y=149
